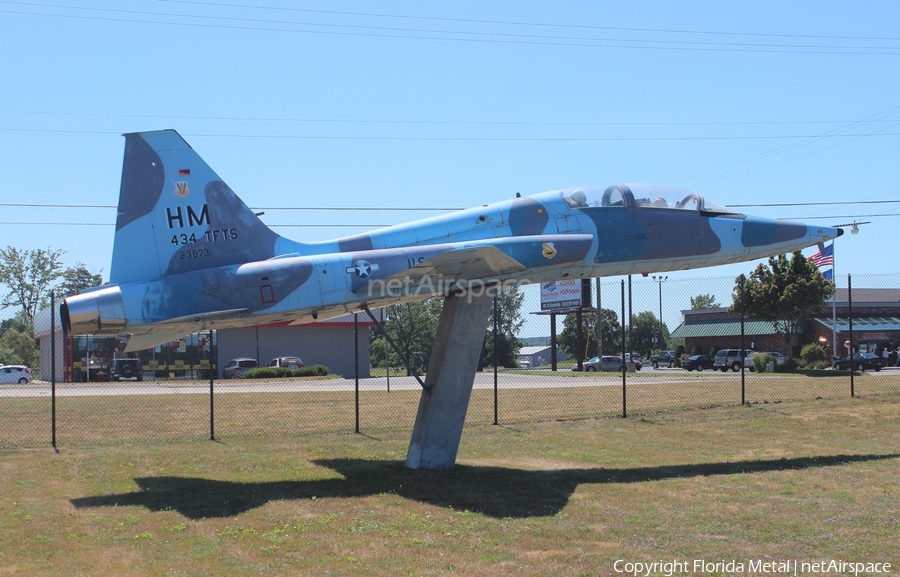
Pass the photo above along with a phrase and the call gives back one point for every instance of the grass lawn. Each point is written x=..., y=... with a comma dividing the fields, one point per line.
x=799, y=480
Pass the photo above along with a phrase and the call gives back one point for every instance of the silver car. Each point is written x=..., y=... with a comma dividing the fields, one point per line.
x=604, y=363
x=287, y=362
x=15, y=374
x=236, y=367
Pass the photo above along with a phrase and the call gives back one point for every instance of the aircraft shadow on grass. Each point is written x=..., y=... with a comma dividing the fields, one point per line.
x=493, y=491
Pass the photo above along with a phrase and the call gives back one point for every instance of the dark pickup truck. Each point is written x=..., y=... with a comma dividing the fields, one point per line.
x=663, y=359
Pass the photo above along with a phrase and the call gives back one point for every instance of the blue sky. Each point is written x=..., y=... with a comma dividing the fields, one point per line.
x=310, y=105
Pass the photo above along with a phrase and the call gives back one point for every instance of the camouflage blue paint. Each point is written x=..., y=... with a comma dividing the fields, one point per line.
x=356, y=242
x=222, y=242
x=527, y=216
x=143, y=175
x=761, y=232
x=190, y=255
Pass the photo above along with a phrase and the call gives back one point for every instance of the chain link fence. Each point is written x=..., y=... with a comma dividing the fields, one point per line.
x=87, y=391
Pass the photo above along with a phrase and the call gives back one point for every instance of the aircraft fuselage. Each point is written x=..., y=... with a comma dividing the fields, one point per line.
x=190, y=255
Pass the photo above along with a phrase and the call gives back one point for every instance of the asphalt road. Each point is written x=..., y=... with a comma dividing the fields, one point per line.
x=484, y=380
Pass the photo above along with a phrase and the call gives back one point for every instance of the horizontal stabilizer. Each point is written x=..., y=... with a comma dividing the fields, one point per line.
x=164, y=332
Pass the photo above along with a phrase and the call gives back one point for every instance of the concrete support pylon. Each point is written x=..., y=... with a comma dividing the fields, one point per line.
x=448, y=383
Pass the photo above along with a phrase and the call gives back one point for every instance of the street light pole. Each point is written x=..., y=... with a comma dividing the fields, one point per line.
x=660, y=279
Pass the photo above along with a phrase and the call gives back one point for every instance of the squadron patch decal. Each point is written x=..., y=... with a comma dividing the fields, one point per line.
x=548, y=250
x=182, y=189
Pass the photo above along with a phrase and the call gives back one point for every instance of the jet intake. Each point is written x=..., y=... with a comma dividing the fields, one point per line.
x=96, y=312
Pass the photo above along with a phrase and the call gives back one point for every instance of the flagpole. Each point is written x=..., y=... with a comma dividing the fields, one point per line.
x=833, y=308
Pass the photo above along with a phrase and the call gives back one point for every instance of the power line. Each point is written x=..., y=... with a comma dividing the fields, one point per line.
x=438, y=122
x=346, y=208
x=481, y=37
x=479, y=139
x=374, y=226
x=838, y=131
x=514, y=23
x=834, y=217
x=432, y=209
x=783, y=204
x=269, y=225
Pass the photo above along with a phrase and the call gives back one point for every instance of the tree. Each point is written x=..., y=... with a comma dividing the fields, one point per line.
x=784, y=293
x=510, y=321
x=19, y=347
x=28, y=274
x=18, y=322
x=706, y=301
x=17, y=343
x=643, y=328
x=76, y=279
x=412, y=327
x=610, y=337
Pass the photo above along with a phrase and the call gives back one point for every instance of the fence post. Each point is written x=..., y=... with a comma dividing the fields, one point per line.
x=496, y=323
x=356, y=365
x=599, y=322
x=553, y=357
x=213, y=368
x=743, y=382
x=630, y=348
x=624, y=403
x=850, y=315
x=53, y=368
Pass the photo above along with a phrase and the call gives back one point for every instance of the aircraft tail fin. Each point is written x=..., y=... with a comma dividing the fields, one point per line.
x=176, y=215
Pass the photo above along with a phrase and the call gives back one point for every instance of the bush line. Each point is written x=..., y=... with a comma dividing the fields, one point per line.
x=282, y=372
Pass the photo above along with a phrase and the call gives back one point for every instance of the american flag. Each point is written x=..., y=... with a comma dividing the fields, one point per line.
x=824, y=258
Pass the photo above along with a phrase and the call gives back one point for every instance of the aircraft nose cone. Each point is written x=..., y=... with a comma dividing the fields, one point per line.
x=823, y=233
x=759, y=232
x=765, y=237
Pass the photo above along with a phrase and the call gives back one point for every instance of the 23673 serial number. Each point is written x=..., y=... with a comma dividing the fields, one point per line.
x=195, y=253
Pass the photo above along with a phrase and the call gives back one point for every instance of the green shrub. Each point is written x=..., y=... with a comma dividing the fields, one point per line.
x=812, y=353
x=262, y=373
x=284, y=372
x=788, y=366
x=760, y=362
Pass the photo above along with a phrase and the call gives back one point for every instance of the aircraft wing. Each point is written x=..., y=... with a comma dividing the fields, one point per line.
x=465, y=263
x=493, y=258
x=147, y=336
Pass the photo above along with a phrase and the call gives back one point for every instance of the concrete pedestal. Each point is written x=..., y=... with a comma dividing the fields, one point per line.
x=448, y=383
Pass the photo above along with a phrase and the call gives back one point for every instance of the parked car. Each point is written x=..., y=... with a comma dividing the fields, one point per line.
x=663, y=359
x=126, y=370
x=860, y=362
x=236, y=367
x=638, y=365
x=697, y=363
x=15, y=374
x=779, y=357
x=287, y=362
x=731, y=359
x=604, y=363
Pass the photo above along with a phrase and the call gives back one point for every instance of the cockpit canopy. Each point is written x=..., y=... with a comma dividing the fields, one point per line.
x=642, y=196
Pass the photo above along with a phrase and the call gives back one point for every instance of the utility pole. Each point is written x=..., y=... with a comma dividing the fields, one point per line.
x=660, y=279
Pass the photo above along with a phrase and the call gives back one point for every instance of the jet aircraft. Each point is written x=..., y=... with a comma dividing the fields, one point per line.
x=189, y=255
